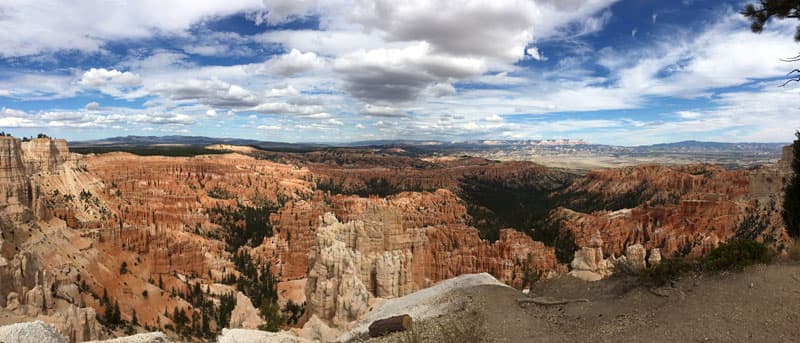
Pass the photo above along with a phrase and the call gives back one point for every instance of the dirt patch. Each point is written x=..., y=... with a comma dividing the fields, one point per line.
x=761, y=304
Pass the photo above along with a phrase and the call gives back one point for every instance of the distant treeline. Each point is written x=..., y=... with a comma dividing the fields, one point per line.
x=190, y=150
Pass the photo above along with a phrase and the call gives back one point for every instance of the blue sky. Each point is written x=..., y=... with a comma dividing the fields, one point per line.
x=614, y=72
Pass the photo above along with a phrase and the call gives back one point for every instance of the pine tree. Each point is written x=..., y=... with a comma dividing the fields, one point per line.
x=760, y=14
x=104, y=300
x=791, y=196
x=134, y=320
x=109, y=315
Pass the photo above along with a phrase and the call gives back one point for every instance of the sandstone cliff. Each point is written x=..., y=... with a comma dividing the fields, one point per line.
x=378, y=257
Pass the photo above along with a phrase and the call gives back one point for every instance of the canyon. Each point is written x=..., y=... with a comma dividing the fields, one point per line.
x=339, y=229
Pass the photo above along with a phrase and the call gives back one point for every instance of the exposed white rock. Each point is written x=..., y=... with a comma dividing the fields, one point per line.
x=316, y=330
x=588, y=263
x=655, y=257
x=69, y=292
x=31, y=332
x=245, y=315
x=635, y=255
x=257, y=336
x=423, y=304
x=149, y=337
x=334, y=289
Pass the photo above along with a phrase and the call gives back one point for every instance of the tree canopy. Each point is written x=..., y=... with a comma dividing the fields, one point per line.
x=791, y=196
x=759, y=14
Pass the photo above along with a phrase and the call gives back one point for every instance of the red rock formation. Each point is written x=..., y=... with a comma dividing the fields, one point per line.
x=295, y=225
x=378, y=257
x=691, y=207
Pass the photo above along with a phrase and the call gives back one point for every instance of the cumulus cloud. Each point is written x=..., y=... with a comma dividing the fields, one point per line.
x=383, y=111
x=92, y=106
x=499, y=28
x=287, y=108
x=213, y=92
x=28, y=28
x=292, y=63
x=104, y=119
x=387, y=75
x=439, y=90
x=281, y=92
x=100, y=77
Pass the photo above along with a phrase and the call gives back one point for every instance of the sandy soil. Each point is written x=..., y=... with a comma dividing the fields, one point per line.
x=761, y=304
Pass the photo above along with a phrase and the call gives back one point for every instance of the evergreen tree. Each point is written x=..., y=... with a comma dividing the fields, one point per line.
x=117, y=315
x=104, y=300
x=134, y=320
x=791, y=196
x=109, y=315
x=766, y=9
x=760, y=14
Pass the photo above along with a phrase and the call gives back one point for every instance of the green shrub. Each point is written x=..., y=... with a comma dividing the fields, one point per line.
x=668, y=270
x=735, y=255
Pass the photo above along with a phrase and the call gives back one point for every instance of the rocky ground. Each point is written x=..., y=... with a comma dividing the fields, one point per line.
x=760, y=304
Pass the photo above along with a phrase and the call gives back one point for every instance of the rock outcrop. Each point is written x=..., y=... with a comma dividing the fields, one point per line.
x=16, y=191
x=589, y=263
x=245, y=315
x=377, y=257
x=32, y=332
x=44, y=155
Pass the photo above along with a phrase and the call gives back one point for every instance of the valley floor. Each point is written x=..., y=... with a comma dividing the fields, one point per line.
x=761, y=304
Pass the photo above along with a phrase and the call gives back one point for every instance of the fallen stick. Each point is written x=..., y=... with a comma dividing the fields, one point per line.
x=549, y=301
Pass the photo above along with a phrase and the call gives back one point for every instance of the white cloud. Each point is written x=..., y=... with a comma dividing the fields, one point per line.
x=14, y=122
x=212, y=92
x=688, y=114
x=390, y=75
x=10, y=112
x=383, y=111
x=689, y=65
x=287, y=108
x=101, y=77
x=281, y=92
x=439, y=90
x=101, y=119
x=92, y=106
x=28, y=28
x=494, y=118
x=294, y=62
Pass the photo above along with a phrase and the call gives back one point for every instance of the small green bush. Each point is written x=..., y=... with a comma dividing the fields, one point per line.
x=735, y=255
x=668, y=270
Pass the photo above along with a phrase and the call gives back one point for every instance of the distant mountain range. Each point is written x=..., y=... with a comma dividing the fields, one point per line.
x=678, y=147
x=138, y=141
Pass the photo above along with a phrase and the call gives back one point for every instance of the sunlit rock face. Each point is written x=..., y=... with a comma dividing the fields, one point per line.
x=44, y=154
x=377, y=257
x=687, y=210
x=17, y=191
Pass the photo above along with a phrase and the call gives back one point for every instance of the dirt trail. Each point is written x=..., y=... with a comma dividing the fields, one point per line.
x=761, y=304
